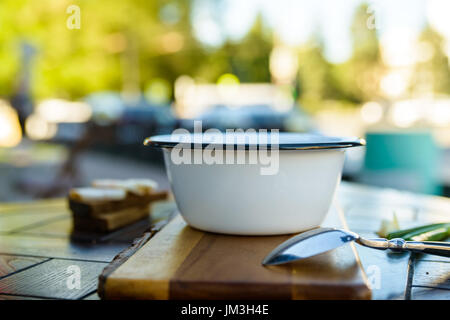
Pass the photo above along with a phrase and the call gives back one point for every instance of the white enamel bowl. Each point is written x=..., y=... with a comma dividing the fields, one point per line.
x=237, y=199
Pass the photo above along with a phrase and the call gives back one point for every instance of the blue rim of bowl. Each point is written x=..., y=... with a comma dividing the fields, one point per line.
x=288, y=141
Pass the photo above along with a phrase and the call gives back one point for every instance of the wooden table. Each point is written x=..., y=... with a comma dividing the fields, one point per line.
x=36, y=250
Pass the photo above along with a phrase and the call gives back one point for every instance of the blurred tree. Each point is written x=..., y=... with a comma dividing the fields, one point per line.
x=349, y=83
x=170, y=49
x=247, y=58
x=431, y=72
x=120, y=44
x=358, y=78
x=125, y=45
x=314, y=76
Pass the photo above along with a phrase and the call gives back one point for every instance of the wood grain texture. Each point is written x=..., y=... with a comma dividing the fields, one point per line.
x=227, y=267
x=182, y=263
x=20, y=220
x=148, y=272
x=17, y=297
x=138, y=243
x=32, y=246
x=432, y=258
x=48, y=204
x=432, y=274
x=60, y=228
x=420, y=293
x=49, y=280
x=118, y=260
x=10, y=263
x=93, y=296
x=27, y=245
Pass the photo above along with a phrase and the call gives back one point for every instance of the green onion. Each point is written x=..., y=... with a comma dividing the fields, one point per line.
x=407, y=234
x=433, y=235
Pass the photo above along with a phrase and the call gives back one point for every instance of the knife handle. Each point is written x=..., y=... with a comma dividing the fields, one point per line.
x=432, y=247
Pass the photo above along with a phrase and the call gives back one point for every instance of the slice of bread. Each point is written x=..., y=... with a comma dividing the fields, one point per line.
x=94, y=208
x=111, y=204
x=112, y=220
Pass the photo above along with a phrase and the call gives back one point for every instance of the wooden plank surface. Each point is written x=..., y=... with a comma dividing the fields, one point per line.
x=47, y=204
x=13, y=263
x=28, y=245
x=17, y=297
x=49, y=280
x=34, y=256
x=10, y=222
x=432, y=273
x=60, y=228
x=183, y=263
x=421, y=293
x=93, y=296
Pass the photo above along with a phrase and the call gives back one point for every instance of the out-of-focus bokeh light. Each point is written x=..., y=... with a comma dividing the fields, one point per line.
x=115, y=42
x=432, y=112
x=283, y=64
x=437, y=13
x=58, y=110
x=107, y=107
x=336, y=121
x=424, y=51
x=228, y=79
x=439, y=115
x=447, y=50
x=395, y=83
x=182, y=85
x=10, y=132
x=398, y=48
x=192, y=99
x=405, y=113
x=228, y=85
x=171, y=42
x=158, y=91
x=205, y=27
x=38, y=128
x=185, y=95
x=170, y=14
x=371, y=112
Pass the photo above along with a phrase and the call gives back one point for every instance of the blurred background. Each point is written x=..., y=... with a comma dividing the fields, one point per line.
x=82, y=83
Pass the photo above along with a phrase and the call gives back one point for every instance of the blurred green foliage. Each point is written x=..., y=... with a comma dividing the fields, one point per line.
x=432, y=74
x=118, y=41
x=127, y=44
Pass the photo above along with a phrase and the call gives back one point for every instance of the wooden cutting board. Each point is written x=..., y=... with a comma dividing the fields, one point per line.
x=180, y=262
